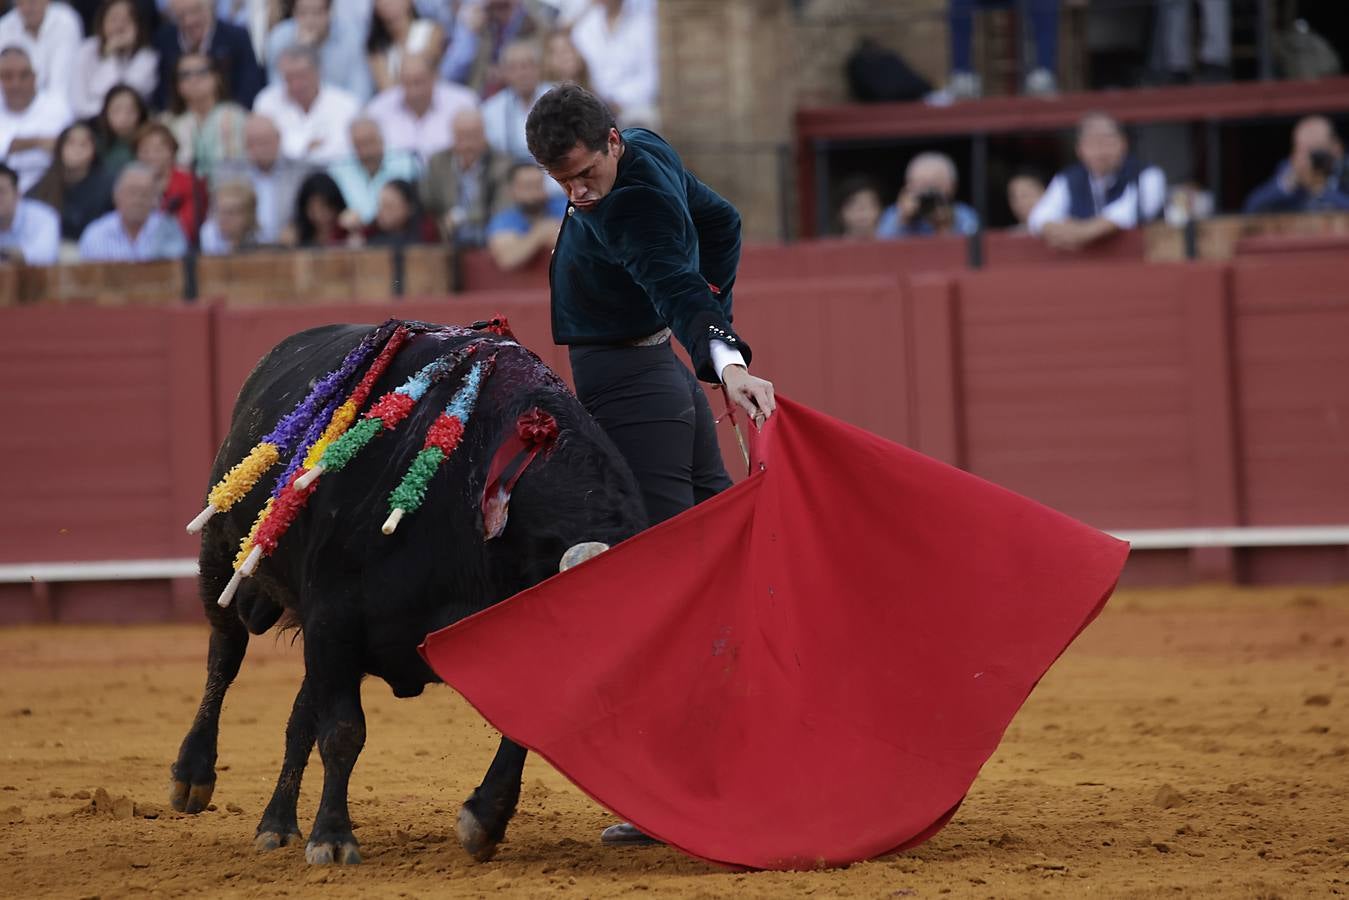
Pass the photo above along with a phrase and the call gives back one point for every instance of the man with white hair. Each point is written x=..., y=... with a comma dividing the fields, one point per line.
x=466, y=184
x=417, y=114
x=30, y=120
x=340, y=44
x=361, y=177
x=275, y=179
x=927, y=203
x=313, y=117
x=135, y=230
x=193, y=29
x=51, y=33
x=504, y=113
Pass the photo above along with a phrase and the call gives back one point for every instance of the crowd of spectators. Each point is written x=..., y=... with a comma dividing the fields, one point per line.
x=227, y=126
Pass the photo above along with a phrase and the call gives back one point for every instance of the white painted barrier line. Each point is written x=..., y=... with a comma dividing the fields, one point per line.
x=1142, y=539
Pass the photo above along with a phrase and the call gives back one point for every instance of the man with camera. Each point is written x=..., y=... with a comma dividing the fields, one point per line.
x=927, y=204
x=1312, y=179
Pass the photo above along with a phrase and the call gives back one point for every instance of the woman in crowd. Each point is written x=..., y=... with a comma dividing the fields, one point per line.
x=318, y=206
x=399, y=218
x=562, y=62
x=184, y=195
x=233, y=225
x=76, y=185
x=208, y=125
x=397, y=29
x=124, y=112
x=859, y=209
x=116, y=52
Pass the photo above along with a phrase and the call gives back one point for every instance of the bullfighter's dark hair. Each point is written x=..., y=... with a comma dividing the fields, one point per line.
x=563, y=117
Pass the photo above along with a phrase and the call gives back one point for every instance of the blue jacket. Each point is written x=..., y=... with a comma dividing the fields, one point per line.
x=661, y=249
x=1272, y=197
x=230, y=46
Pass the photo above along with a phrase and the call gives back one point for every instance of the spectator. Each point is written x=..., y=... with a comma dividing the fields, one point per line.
x=562, y=62
x=30, y=119
x=254, y=16
x=463, y=184
x=528, y=227
x=233, y=225
x=617, y=39
x=182, y=194
x=504, y=113
x=50, y=31
x=1044, y=22
x=134, y=231
x=340, y=46
x=859, y=211
x=76, y=185
x=481, y=30
x=1313, y=178
x=927, y=203
x=124, y=112
x=361, y=178
x=418, y=114
x=30, y=230
x=399, y=219
x=118, y=52
x=208, y=125
x=398, y=33
x=275, y=179
x=313, y=117
x=1105, y=192
x=195, y=30
x=1172, y=46
x=318, y=212
x=1024, y=190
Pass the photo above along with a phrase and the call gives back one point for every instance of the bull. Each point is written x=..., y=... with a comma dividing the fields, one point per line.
x=365, y=600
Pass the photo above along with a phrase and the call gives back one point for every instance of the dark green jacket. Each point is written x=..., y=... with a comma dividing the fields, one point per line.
x=660, y=249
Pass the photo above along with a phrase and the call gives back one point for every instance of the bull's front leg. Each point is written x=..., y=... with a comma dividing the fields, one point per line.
x=194, y=770
x=334, y=683
x=486, y=813
x=279, y=825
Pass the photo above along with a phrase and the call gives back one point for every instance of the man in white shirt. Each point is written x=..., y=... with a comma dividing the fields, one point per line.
x=30, y=231
x=504, y=113
x=30, y=120
x=361, y=177
x=134, y=231
x=1106, y=192
x=418, y=113
x=313, y=117
x=275, y=179
x=618, y=40
x=340, y=44
x=51, y=33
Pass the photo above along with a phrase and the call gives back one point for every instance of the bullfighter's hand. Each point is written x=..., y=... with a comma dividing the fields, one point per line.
x=753, y=395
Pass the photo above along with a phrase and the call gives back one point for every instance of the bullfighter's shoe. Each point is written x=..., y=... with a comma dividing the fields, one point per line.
x=626, y=833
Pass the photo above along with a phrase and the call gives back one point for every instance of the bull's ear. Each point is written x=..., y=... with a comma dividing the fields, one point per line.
x=579, y=553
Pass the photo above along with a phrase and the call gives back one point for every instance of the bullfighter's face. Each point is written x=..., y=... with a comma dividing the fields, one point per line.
x=587, y=176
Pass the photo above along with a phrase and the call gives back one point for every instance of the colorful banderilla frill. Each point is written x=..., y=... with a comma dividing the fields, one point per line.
x=387, y=413
x=442, y=438
x=285, y=437
x=288, y=499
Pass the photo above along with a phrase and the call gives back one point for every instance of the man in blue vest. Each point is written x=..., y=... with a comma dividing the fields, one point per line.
x=1107, y=191
x=646, y=251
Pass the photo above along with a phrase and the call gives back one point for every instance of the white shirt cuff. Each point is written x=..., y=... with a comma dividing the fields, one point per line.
x=724, y=355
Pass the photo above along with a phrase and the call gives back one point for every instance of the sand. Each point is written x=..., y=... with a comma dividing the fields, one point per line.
x=1192, y=743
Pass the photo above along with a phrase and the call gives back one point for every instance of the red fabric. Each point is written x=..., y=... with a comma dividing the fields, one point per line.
x=185, y=197
x=534, y=430
x=809, y=668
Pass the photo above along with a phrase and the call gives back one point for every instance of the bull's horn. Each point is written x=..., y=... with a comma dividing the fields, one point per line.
x=579, y=553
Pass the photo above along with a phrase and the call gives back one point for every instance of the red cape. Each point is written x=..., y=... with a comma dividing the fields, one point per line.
x=809, y=668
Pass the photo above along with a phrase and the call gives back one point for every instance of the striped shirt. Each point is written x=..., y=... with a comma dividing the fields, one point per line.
x=35, y=231
x=106, y=240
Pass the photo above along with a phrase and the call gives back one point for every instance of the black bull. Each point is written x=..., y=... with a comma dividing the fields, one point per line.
x=365, y=600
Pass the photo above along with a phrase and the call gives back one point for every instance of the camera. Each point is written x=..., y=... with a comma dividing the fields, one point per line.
x=1323, y=163
x=928, y=204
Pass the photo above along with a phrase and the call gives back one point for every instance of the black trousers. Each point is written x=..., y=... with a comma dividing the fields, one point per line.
x=651, y=406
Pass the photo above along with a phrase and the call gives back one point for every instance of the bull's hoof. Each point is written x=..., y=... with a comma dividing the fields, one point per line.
x=473, y=837
x=274, y=840
x=190, y=798
x=327, y=852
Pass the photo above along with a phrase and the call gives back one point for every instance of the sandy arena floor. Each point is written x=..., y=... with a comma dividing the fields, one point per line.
x=1191, y=744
